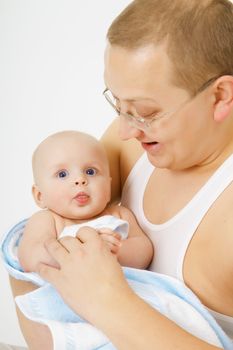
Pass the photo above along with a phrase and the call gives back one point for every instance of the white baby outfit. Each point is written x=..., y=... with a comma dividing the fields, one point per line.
x=105, y=221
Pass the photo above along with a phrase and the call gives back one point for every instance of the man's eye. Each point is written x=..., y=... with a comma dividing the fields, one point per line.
x=149, y=115
x=91, y=171
x=62, y=174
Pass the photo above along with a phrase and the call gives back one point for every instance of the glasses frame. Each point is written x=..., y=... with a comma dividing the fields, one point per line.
x=145, y=124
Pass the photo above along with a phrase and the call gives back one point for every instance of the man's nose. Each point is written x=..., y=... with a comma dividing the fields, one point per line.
x=127, y=130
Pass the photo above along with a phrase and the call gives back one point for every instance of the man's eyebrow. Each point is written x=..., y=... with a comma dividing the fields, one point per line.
x=135, y=99
x=125, y=99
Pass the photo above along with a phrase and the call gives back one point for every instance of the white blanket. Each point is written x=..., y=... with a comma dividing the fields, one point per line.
x=166, y=294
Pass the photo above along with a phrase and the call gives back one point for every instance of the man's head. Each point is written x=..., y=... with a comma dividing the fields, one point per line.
x=198, y=36
x=71, y=175
x=171, y=63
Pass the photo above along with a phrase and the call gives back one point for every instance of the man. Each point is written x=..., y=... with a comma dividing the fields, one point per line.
x=169, y=76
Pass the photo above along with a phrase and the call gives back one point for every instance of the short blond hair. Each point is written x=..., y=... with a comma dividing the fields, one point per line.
x=198, y=36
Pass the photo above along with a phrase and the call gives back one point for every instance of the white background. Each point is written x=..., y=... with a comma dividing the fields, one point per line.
x=51, y=79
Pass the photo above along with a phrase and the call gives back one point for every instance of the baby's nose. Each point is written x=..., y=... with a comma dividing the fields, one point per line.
x=81, y=182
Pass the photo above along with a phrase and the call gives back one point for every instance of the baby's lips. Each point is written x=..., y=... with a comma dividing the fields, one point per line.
x=82, y=197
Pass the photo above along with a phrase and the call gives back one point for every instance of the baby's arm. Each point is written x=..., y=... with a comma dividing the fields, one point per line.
x=137, y=250
x=31, y=250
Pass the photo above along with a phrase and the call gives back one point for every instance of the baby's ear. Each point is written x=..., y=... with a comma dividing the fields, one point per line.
x=38, y=197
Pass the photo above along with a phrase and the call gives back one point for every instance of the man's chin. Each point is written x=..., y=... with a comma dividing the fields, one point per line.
x=158, y=161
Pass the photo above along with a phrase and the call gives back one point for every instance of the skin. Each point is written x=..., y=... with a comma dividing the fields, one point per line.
x=81, y=161
x=184, y=158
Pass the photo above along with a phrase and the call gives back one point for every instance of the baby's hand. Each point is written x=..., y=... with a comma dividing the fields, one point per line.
x=113, y=239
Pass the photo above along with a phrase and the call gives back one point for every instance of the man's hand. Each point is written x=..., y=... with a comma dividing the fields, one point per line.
x=89, y=277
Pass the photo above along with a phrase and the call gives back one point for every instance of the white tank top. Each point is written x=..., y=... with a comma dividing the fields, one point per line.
x=168, y=238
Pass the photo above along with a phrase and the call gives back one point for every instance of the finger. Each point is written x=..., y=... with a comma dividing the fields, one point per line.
x=48, y=273
x=71, y=244
x=117, y=235
x=87, y=234
x=56, y=250
x=113, y=248
x=110, y=232
x=106, y=230
x=111, y=239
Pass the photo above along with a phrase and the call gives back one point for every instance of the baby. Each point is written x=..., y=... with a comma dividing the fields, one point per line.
x=72, y=185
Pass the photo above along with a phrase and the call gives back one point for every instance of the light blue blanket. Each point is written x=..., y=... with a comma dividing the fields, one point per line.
x=166, y=294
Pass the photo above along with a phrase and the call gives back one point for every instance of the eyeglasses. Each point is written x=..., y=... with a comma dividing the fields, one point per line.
x=146, y=123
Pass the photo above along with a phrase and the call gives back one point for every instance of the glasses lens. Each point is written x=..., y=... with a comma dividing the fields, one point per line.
x=137, y=122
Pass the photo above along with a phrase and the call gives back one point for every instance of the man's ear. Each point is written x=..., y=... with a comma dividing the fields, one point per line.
x=223, y=89
x=38, y=197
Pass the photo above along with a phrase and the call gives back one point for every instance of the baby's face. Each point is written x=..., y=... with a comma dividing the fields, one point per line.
x=72, y=176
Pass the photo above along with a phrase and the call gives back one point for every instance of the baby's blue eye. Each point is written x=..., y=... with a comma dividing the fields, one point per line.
x=62, y=174
x=91, y=171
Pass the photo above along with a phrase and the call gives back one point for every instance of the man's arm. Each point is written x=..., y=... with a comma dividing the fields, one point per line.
x=122, y=155
x=112, y=147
